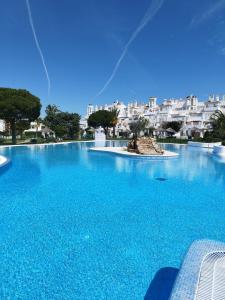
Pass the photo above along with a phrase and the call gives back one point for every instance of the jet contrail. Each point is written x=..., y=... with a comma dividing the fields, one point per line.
x=150, y=13
x=217, y=7
x=38, y=45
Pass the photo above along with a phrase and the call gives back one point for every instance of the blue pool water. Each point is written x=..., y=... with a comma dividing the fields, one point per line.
x=76, y=224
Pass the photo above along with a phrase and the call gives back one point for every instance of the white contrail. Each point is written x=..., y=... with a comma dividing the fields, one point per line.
x=38, y=45
x=150, y=13
x=210, y=13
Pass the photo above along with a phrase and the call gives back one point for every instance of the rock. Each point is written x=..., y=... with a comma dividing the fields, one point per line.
x=144, y=145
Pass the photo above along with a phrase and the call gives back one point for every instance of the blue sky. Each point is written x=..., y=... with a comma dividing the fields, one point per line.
x=179, y=51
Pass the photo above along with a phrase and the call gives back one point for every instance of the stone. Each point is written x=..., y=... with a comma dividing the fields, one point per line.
x=145, y=145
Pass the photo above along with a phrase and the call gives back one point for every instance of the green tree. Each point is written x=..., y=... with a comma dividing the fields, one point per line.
x=64, y=124
x=60, y=129
x=114, y=115
x=137, y=126
x=52, y=109
x=71, y=122
x=22, y=125
x=101, y=118
x=16, y=105
x=218, y=125
x=53, y=121
x=175, y=125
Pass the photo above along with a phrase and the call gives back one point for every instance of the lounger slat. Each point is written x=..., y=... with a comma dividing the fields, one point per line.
x=202, y=274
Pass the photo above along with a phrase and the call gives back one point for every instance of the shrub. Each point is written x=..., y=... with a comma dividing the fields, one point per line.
x=50, y=140
x=212, y=140
x=198, y=139
x=33, y=141
x=33, y=135
x=172, y=140
x=207, y=139
x=37, y=140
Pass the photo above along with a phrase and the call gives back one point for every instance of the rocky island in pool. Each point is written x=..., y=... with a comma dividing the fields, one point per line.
x=140, y=147
x=145, y=146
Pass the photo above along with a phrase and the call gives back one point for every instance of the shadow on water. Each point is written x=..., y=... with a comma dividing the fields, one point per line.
x=161, y=286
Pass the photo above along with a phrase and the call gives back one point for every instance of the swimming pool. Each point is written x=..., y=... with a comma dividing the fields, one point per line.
x=84, y=225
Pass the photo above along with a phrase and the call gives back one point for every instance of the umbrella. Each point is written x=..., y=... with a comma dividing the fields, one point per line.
x=171, y=130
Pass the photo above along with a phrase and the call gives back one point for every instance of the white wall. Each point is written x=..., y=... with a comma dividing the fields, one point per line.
x=2, y=125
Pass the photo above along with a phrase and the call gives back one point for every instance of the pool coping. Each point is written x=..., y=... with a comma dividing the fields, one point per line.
x=120, y=151
x=219, y=150
x=203, y=144
x=64, y=143
x=44, y=144
x=3, y=161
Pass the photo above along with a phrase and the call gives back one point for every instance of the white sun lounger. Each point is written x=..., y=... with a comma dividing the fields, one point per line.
x=202, y=274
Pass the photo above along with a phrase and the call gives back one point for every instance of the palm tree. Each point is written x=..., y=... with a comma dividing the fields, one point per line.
x=114, y=113
x=52, y=109
x=38, y=122
x=218, y=124
x=136, y=127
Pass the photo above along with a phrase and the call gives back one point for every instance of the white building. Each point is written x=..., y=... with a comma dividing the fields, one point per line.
x=192, y=113
x=39, y=129
x=2, y=125
x=35, y=129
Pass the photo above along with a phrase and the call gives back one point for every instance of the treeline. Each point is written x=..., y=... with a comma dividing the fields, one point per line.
x=105, y=119
x=19, y=107
x=64, y=124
